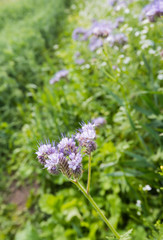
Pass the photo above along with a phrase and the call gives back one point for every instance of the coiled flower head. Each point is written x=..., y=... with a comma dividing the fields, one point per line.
x=44, y=150
x=66, y=156
x=152, y=10
x=86, y=137
x=101, y=29
x=67, y=145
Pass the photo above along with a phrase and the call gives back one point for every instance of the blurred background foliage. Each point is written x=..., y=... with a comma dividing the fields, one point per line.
x=35, y=42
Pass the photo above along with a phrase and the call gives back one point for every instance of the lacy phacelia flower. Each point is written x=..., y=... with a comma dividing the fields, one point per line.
x=75, y=161
x=118, y=21
x=117, y=39
x=43, y=151
x=79, y=61
x=80, y=34
x=112, y=2
x=101, y=29
x=86, y=137
x=99, y=121
x=95, y=43
x=61, y=74
x=152, y=10
x=66, y=156
x=67, y=145
x=51, y=166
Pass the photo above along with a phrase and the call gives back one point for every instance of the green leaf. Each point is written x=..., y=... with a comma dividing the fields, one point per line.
x=47, y=203
x=126, y=236
x=28, y=233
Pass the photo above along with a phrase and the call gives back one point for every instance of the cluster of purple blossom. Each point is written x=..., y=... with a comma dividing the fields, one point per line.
x=59, y=75
x=98, y=31
x=66, y=156
x=117, y=39
x=99, y=121
x=153, y=10
x=119, y=3
x=78, y=60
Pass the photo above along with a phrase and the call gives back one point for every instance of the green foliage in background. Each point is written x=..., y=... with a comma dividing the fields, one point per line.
x=129, y=152
x=29, y=29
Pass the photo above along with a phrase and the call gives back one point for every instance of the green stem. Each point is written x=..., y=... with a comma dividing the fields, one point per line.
x=90, y=199
x=89, y=174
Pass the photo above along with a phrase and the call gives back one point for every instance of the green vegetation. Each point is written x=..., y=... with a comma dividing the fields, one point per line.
x=35, y=42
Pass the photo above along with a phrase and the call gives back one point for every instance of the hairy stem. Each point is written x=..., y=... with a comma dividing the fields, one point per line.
x=89, y=174
x=90, y=199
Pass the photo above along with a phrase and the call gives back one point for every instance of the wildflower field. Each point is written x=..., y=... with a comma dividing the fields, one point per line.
x=81, y=120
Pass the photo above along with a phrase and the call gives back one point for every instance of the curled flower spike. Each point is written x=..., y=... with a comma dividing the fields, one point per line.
x=66, y=156
x=67, y=145
x=86, y=137
x=43, y=151
x=75, y=161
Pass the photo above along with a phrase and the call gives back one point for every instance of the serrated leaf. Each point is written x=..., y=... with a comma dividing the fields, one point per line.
x=126, y=236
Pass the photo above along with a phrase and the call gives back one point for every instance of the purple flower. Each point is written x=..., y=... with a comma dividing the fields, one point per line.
x=78, y=60
x=101, y=29
x=80, y=34
x=114, y=67
x=118, y=21
x=51, y=166
x=99, y=121
x=86, y=137
x=152, y=10
x=66, y=157
x=61, y=74
x=117, y=39
x=88, y=131
x=75, y=160
x=112, y=2
x=44, y=151
x=55, y=157
x=67, y=145
x=95, y=43
x=77, y=54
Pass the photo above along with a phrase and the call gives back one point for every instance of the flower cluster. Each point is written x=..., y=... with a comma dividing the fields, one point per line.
x=95, y=43
x=66, y=156
x=117, y=39
x=153, y=10
x=99, y=121
x=101, y=29
x=80, y=34
x=98, y=31
x=118, y=21
x=86, y=137
x=112, y=2
x=60, y=74
x=117, y=4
